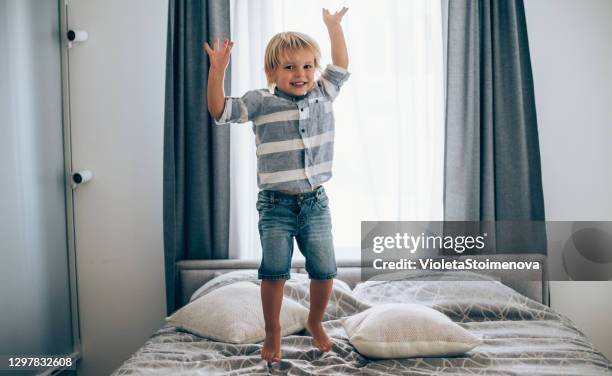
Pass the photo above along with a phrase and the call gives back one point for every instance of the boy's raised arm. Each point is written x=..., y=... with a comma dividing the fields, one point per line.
x=219, y=60
x=336, y=37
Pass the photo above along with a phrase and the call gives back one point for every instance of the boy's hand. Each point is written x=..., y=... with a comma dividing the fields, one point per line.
x=336, y=37
x=219, y=56
x=219, y=59
x=333, y=19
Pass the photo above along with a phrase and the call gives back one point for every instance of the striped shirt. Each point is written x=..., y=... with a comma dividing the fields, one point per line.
x=294, y=135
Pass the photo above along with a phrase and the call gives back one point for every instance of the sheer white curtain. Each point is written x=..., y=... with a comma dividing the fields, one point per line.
x=389, y=142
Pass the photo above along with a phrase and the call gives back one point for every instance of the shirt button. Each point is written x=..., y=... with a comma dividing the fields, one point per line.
x=303, y=130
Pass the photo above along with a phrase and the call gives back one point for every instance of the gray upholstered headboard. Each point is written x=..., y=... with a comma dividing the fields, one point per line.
x=194, y=273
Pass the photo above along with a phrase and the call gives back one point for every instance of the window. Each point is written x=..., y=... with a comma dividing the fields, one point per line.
x=388, y=160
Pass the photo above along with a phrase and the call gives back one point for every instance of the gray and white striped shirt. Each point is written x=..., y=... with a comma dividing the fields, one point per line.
x=294, y=135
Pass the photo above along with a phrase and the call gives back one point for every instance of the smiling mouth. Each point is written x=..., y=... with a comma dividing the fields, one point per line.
x=298, y=84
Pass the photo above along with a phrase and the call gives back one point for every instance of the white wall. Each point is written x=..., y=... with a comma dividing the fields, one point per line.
x=117, y=111
x=571, y=55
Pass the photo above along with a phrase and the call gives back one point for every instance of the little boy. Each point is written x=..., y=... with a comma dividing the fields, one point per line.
x=294, y=129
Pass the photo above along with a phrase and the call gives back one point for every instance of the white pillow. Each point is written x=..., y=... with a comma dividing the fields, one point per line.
x=234, y=314
x=406, y=331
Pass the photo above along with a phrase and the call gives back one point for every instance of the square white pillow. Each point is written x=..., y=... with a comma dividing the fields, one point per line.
x=234, y=314
x=406, y=331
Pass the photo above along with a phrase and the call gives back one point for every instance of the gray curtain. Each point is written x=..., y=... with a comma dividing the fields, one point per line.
x=196, y=151
x=492, y=160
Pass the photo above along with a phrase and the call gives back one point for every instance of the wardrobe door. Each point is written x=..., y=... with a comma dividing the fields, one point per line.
x=35, y=306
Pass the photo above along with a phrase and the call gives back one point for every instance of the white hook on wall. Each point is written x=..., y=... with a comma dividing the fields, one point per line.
x=75, y=36
x=81, y=177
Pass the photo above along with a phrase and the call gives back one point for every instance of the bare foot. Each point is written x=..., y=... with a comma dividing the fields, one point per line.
x=271, y=347
x=321, y=340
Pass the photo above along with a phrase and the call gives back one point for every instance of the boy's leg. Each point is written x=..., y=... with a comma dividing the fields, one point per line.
x=271, y=300
x=316, y=243
x=276, y=227
x=320, y=291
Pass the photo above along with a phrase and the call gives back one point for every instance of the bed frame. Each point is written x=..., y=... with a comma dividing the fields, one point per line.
x=194, y=273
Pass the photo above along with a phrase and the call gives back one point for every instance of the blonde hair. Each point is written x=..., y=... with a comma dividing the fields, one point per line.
x=288, y=41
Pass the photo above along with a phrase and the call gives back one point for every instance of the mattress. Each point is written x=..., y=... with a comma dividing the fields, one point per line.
x=520, y=335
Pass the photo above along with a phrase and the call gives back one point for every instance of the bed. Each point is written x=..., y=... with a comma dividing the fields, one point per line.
x=521, y=334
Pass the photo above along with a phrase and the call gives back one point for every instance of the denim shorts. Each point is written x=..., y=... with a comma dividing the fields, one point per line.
x=306, y=218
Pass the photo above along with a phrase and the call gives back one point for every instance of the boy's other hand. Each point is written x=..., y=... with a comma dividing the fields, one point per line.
x=219, y=56
x=333, y=19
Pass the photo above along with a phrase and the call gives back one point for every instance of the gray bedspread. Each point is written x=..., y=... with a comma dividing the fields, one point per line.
x=521, y=336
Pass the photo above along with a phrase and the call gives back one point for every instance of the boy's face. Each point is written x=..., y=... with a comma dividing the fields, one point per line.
x=295, y=74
